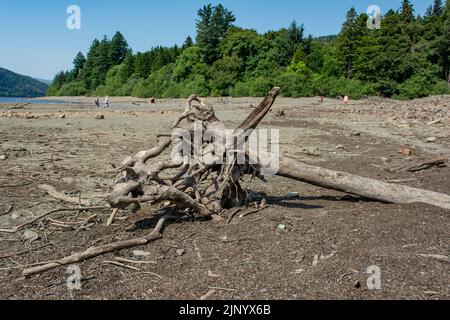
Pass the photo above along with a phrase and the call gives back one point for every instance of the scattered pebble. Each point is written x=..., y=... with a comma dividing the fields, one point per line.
x=280, y=113
x=2, y=157
x=208, y=295
x=30, y=235
x=340, y=147
x=181, y=252
x=313, y=152
x=293, y=195
x=99, y=117
x=281, y=227
x=212, y=274
x=431, y=139
x=357, y=284
x=16, y=216
x=407, y=152
x=263, y=203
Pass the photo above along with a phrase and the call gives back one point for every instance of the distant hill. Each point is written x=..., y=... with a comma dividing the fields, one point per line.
x=47, y=82
x=16, y=85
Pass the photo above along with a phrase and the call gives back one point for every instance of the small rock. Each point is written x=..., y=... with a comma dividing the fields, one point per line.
x=140, y=253
x=313, y=152
x=339, y=147
x=263, y=203
x=212, y=274
x=216, y=218
x=181, y=252
x=16, y=216
x=30, y=236
x=63, y=116
x=99, y=117
x=2, y=157
x=281, y=227
x=357, y=284
x=431, y=139
x=407, y=152
x=356, y=134
x=299, y=271
x=280, y=113
x=293, y=195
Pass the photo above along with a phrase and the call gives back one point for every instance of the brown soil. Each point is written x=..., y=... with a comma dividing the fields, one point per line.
x=251, y=258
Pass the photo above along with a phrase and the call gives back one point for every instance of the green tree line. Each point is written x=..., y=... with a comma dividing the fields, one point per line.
x=408, y=57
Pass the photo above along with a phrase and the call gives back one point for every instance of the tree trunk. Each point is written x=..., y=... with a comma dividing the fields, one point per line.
x=363, y=187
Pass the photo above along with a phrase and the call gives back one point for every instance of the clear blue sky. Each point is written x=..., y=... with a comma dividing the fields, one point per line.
x=35, y=40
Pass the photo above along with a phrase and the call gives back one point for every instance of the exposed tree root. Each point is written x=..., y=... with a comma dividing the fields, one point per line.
x=33, y=221
x=51, y=191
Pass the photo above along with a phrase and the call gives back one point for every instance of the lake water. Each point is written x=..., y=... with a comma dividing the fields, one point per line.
x=27, y=100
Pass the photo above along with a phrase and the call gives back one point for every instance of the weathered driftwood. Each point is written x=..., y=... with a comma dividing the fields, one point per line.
x=363, y=187
x=52, y=192
x=439, y=162
x=97, y=251
x=208, y=189
x=205, y=189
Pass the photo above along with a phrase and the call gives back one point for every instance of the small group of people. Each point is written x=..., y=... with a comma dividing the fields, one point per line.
x=106, y=102
x=345, y=99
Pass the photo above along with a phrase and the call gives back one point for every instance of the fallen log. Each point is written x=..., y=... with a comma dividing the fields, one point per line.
x=360, y=186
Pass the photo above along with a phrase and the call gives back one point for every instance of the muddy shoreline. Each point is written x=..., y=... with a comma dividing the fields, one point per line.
x=323, y=252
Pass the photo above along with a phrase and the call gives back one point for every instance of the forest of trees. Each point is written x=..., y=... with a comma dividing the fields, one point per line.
x=408, y=57
x=17, y=85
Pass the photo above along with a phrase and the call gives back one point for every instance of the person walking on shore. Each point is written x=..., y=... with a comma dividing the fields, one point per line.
x=346, y=100
x=106, y=102
x=97, y=102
